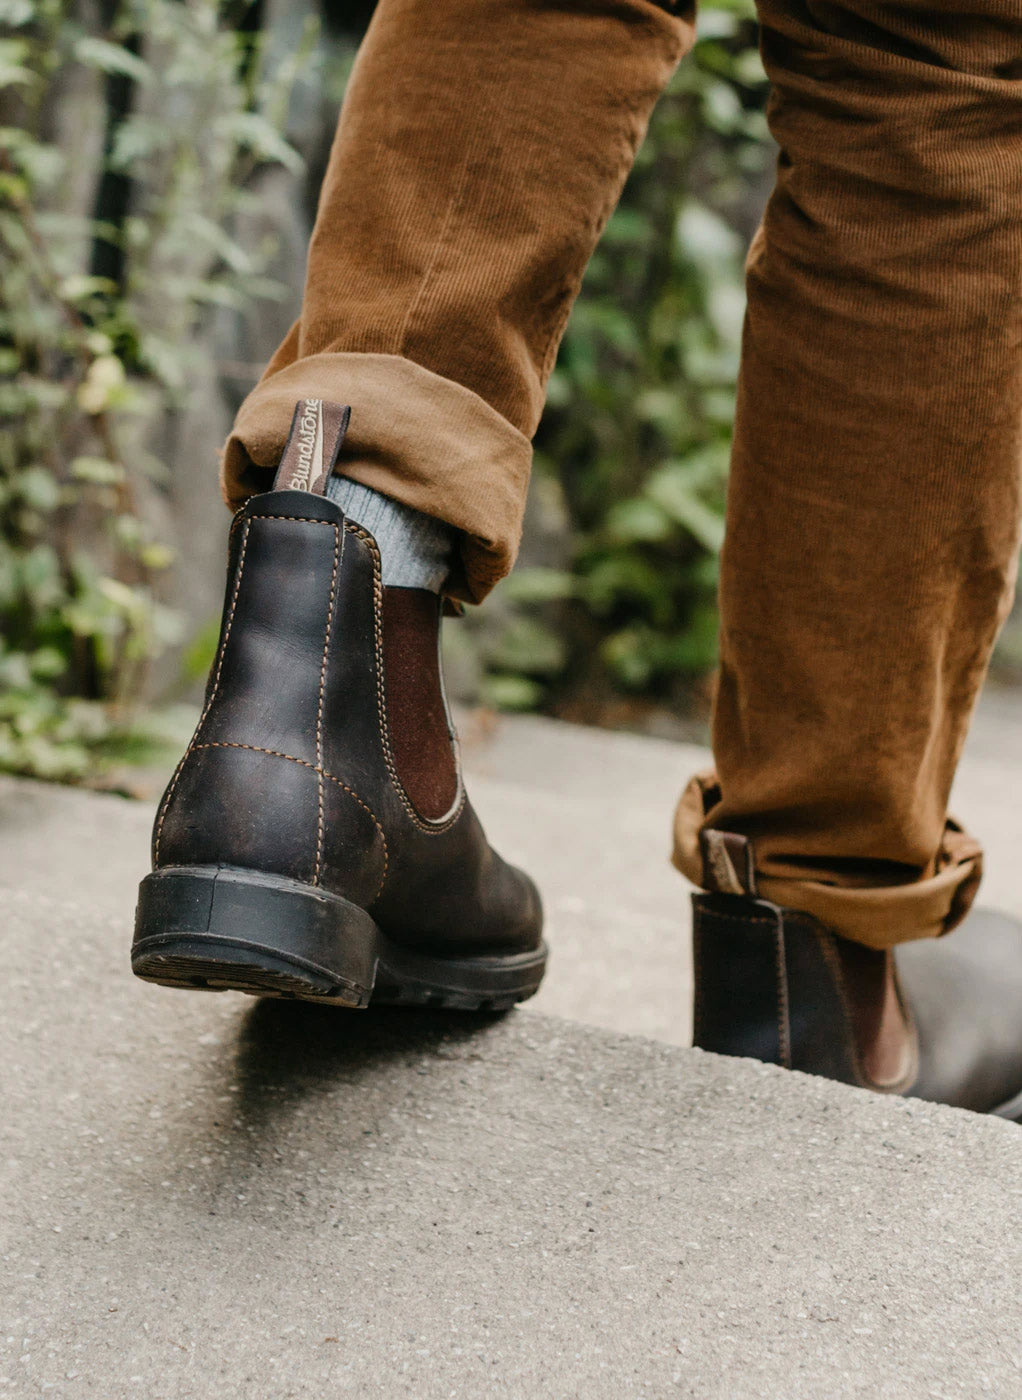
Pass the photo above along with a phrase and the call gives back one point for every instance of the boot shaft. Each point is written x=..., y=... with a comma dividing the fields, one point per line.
x=773, y=984
x=264, y=783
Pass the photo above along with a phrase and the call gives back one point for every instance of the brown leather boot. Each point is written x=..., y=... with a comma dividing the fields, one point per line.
x=937, y=1019
x=316, y=840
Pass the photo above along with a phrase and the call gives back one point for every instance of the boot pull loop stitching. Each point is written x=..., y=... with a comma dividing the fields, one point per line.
x=729, y=865
x=783, y=1008
x=313, y=445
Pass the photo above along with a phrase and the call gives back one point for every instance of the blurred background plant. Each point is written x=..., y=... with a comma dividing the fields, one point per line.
x=160, y=162
x=115, y=239
x=611, y=617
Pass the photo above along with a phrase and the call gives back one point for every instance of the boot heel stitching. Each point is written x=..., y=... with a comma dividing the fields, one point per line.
x=783, y=1008
x=698, y=1015
x=330, y=778
x=319, y=712
x=300, y=519
x=194, y=745
x=431, y=828
x=165, y=805
x=729, y=918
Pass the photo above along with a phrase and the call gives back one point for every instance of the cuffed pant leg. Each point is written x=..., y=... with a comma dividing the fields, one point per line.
x=481, y=148
x=873, y=515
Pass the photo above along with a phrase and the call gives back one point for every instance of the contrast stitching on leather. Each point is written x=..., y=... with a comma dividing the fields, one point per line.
x=431, y=828
x=165, y=805
x=830, y=957
x=783, y=1008
x=319, y=711
x=301, y=519
x=698, y=1014
x=730, y=918
x=275, y=753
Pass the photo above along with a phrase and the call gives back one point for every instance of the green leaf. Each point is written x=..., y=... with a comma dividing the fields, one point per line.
x=97, y=471
x=538, y=585
x=111, y=58
x=14, y=70
x=215, y=237
x=156, y=556
x=40, y=572
x=669, y=490
x=47, y=664
x=705, y=236
x=198, y=655
x=510, y=692
x=254, y=132
x=526, y=645
x=135, y=140
x=38, y=488
x=15, y=13
x=638, y=519
x=79, y=286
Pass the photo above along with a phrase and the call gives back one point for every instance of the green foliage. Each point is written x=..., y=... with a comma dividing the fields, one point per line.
x=89, y=362
x=102, y=292
x=637, y=431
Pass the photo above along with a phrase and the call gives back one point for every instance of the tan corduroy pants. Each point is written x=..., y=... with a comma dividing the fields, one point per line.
x=873, y=517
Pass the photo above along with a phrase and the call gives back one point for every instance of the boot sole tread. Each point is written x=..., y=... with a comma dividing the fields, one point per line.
x=223, y=929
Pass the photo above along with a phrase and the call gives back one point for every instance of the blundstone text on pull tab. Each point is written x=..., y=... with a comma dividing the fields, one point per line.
x=313, y=445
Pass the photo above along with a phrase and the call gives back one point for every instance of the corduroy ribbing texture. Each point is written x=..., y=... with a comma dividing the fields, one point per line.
x=481, y=148
x=873, y=509
x=873, y=513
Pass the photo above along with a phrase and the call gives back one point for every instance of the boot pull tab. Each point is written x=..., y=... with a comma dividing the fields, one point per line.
x=313, y=444
x=729, y=865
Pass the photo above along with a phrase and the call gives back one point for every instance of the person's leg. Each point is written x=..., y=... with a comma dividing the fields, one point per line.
x=316, y=840
x=872, y=540
x=873, y=511
x=481, y=148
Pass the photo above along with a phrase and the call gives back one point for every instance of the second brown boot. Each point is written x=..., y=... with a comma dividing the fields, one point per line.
x=937, y=1019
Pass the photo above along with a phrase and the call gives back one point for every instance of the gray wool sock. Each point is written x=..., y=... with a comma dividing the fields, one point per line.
x=415, y=549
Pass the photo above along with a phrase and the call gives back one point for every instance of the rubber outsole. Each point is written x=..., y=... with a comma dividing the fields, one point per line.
x=223, y=929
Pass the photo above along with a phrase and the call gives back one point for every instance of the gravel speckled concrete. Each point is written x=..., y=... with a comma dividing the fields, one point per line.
x=205, y=1197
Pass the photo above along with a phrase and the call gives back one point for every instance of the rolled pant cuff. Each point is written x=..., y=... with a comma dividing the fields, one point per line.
x=880, y=916
x=415, y=436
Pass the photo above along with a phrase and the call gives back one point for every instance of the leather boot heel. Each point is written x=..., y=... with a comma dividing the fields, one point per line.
x=244, y=930
x=221, y=929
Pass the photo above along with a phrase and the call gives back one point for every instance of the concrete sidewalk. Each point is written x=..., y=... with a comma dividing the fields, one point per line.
x=206, y=1197
x=209, y=1197
x=586, y=811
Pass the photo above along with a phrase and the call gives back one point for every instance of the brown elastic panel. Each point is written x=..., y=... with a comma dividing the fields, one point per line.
x=882, y=1032
x=416, y=713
